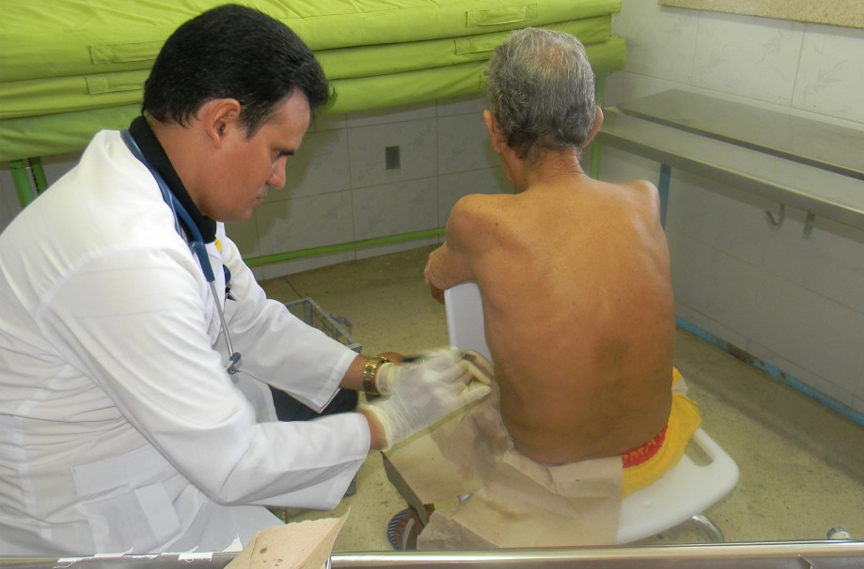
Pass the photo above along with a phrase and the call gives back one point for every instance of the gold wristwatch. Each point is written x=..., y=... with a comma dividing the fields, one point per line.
x=370, y=368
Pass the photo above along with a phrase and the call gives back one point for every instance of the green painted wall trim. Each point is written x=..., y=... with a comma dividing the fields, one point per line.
x=341, y=247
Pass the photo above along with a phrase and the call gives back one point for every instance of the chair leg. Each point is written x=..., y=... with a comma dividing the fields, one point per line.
x=713, y=532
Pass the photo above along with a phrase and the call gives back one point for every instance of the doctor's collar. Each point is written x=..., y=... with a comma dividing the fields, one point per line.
x=156, y=156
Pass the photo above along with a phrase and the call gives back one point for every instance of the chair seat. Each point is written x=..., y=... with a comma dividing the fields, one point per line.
x=686, y=490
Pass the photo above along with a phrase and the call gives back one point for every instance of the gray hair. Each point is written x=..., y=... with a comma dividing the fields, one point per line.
x=541, y=91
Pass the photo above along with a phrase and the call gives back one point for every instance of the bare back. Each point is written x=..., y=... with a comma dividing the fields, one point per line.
x=579, y=313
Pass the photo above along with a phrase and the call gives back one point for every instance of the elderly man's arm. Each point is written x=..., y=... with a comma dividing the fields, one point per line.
x=442, y=271
x=450, y=264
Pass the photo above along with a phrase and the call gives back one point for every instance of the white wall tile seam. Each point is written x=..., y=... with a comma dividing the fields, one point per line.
x=351, y=173
x=353, y=215
x=438, y=119
x=798, y=67
x=692, y=74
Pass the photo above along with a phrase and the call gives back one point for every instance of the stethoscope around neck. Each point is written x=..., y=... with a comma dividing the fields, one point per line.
x=182, y=220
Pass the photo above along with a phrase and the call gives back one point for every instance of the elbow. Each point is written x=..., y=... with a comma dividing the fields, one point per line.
x=221, y=494
x=435, y=266
x=219, y=483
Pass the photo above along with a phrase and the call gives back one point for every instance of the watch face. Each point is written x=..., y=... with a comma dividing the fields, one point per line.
x=369, y=369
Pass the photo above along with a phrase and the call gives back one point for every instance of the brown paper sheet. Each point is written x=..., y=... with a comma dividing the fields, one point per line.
x=302, y=545
x=529, y=505
x=515, y=501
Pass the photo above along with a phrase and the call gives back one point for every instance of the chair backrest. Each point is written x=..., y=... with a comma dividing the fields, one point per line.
x=684, y=491
x=465, y=318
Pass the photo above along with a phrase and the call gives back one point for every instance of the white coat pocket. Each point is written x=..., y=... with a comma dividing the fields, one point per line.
x=133, y=502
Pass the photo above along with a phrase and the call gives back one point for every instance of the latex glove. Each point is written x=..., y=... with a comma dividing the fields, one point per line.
x=424, y=393
x=389, y=374
x=480, y=368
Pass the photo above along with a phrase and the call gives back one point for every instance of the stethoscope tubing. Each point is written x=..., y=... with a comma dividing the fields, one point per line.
x=195, y=243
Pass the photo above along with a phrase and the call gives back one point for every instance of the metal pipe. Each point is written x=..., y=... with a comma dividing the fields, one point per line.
x=22, y=182
x=38, y=173
x=787, y=554
x=663, y=190
x=825, y=554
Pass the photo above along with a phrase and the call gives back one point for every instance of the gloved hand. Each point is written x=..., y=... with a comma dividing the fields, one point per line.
x=480, y=368
x=389, y=374
x=423, y=393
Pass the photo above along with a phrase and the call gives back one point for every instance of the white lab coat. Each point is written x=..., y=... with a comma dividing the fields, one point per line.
x=119, y=428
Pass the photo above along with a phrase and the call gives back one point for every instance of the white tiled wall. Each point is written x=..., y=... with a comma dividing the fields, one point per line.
x=340, y=190
x=797, y=303
x=829, y=73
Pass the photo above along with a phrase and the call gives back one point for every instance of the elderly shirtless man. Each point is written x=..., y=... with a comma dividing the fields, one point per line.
x=573, y=274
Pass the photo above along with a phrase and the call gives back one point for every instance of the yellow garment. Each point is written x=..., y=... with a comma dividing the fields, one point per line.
x=684, y=419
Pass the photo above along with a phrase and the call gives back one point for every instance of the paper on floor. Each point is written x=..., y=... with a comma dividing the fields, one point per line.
x=302, y=545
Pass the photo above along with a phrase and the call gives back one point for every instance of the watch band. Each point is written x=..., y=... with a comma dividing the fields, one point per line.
x=370, y=368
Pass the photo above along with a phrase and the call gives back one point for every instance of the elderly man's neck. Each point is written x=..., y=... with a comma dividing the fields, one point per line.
x=553, y=167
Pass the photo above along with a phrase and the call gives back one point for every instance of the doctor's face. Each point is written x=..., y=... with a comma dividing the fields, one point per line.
x=250, y=166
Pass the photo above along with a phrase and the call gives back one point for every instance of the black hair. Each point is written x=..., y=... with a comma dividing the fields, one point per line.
x=237, y=52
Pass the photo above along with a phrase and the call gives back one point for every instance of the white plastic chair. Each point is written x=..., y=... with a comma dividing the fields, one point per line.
x=465, y=318
x=680, y=495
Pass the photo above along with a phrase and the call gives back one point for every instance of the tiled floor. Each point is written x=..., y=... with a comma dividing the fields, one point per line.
x=802, y=466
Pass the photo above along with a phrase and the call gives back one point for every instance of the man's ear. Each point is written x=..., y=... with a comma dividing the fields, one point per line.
x=499, y=140
x=219, y=117
x=598, y=121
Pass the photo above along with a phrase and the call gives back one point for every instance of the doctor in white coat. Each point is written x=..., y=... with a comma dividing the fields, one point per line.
x=120, y=428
